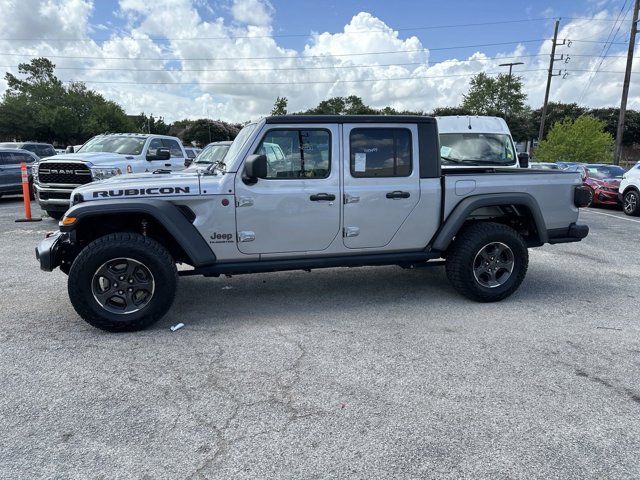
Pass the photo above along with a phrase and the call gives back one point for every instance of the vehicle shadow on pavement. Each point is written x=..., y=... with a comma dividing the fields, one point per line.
x=316, y=294
x=327, y=294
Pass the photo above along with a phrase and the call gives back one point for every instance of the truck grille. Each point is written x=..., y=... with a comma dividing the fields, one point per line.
x=64, y=173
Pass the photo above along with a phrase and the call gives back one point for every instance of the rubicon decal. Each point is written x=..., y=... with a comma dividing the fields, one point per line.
x=136, y=192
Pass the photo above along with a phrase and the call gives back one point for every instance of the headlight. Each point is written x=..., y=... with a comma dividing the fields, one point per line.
x=102, y=173
x=34, y=171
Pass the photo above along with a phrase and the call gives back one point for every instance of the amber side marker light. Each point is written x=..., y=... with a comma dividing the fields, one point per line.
x=68, y=221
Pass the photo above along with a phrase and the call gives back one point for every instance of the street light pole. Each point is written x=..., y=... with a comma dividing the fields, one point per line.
x=506, y=102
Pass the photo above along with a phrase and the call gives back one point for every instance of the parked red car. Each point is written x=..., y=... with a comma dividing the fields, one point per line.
x=603, y=179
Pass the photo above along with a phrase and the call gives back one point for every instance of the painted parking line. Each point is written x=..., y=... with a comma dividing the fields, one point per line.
x=610, y=215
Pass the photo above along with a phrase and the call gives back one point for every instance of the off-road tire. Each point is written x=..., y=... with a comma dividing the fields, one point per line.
x=466, y=246
x=631, y=210
x=55, y=214
x=133, y=246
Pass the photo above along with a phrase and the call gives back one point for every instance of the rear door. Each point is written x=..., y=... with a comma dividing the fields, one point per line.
x=297, y=207
x=177, y=154
x=381, y=181
x=10, y=177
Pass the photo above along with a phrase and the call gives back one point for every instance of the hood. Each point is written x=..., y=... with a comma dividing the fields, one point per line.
x=141, y=185
x=91, y=158
x=607, y=182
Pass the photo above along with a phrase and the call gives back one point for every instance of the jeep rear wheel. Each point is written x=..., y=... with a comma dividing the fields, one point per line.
x=487, y=261
x=631, y=203
x=122, y=282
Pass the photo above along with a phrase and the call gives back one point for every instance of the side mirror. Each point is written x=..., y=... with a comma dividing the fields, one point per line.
x=255, y=167
x=69, y=149
x=160, y=154
x=523, y=159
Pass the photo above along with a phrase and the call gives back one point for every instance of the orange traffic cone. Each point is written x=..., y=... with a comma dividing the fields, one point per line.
x=26, y=196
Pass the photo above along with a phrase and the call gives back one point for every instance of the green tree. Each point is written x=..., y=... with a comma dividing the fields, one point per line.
x=556, y=112
x=494, y=95
x=150, y=124
x=38, y=106
x=203, y=131
x=280, y=106
x=351, y=105
x=580, y=140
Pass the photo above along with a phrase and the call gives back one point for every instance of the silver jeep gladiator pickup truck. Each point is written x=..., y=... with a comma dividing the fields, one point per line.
x=306, y=192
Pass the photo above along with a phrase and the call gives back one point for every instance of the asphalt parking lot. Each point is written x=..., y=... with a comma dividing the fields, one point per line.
x=346, y=373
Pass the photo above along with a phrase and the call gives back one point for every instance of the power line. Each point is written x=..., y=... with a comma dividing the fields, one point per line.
x=290, y=57
x=287, y=35
x=321, y=67
x=605, y=48
x=291, y=83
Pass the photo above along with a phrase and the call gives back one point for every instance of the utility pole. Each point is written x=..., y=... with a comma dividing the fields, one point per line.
x=554, y=43
x=506, y=102
x=625, y=85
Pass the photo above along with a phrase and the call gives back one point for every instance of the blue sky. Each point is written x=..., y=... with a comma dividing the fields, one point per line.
x=306, y=16
x=191, y=73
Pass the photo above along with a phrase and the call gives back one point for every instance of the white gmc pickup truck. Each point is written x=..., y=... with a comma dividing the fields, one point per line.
x=339, y=191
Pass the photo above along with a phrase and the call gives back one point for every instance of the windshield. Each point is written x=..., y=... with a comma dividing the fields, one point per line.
x=113, y=144
x=210, y=154
x=477, y=149
x=239, y=142
x=605, y=171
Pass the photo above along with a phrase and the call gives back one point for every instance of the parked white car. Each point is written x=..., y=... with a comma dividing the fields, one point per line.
x=629, y=191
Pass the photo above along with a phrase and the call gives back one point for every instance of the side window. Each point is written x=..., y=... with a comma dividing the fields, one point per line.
x=296, y=153
x=44, y=151
x=173, y=146
x=14, y=158
x=155, y=144
x=380, y=152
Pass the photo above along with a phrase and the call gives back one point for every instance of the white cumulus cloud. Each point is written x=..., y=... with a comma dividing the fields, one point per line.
x=168, y=60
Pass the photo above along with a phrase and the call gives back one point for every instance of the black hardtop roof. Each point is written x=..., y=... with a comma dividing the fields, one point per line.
x=350, y=119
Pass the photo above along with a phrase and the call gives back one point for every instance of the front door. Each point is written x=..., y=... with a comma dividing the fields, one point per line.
x=297, y=207
x=381, y=181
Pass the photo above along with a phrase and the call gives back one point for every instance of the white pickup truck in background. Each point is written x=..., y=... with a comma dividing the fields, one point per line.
x=102, y=157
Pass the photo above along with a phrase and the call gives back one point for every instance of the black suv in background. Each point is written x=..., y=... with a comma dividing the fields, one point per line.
x=41, y=150
x=10, y=178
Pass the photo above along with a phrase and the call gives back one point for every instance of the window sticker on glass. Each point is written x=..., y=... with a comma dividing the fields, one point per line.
x=445, y=151
x=361, y=162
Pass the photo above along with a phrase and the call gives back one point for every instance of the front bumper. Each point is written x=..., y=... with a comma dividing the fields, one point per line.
x=574, y=233
x=48, y=251
x=605, y=197
x=53, y=198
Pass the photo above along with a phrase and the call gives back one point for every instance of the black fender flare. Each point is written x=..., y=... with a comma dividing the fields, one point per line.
x=165, y=213
x=462, y=210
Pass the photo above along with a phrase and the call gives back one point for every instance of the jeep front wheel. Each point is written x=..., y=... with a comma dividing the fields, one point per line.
x=487, y=261
x=122, y=282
